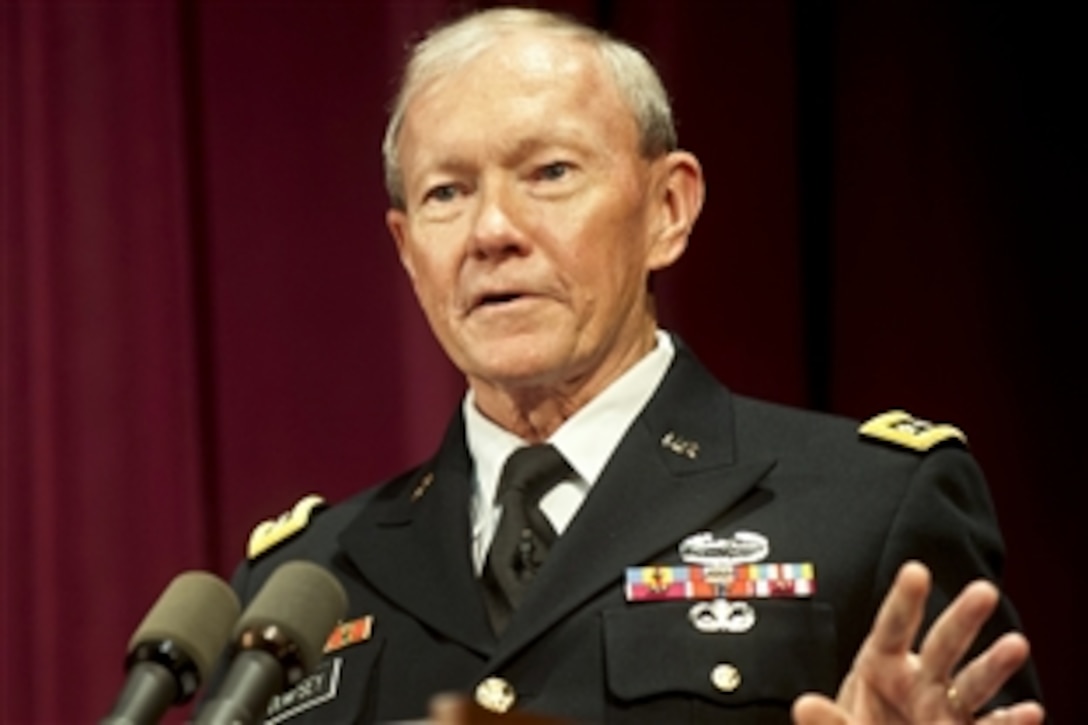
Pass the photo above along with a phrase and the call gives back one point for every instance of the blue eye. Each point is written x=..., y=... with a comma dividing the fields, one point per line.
x=553, y=171
x=441, y=193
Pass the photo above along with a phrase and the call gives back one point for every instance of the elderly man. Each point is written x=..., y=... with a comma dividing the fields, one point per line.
x=606, y=534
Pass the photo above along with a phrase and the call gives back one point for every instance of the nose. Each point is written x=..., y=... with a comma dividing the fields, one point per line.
x=496, y=231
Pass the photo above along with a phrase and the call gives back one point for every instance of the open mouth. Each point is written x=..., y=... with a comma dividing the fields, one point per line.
x=499, y=299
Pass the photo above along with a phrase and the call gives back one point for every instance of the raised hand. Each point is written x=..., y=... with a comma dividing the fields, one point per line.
x=891, y=683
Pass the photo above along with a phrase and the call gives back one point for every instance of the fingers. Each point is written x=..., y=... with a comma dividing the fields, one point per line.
x=1024, y=713
x=814, y=709
x=931, y=684
x=956, y=629
x=983, y=676
x=901, y=612
x=951, y=637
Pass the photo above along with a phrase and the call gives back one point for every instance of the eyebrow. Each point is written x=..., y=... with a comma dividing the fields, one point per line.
x=526, y=147
x=450, y=160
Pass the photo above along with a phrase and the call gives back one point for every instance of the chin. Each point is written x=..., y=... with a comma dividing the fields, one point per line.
x=518, y=366
x=516, y=374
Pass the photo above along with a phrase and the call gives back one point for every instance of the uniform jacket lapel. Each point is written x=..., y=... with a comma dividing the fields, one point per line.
x=412, y=543
x=675, y=471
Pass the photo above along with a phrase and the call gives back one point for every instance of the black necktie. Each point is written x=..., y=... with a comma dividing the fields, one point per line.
x=524, y=534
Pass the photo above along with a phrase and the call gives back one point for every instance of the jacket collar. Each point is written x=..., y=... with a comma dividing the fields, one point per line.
x=675, y=471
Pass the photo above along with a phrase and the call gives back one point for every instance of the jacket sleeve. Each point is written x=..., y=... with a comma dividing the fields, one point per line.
x=946, y=520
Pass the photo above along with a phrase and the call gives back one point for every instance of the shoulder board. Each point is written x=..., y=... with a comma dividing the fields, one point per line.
x=903, y=429
x=269, y=534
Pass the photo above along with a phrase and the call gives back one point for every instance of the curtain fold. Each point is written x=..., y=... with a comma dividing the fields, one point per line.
x=101, y=496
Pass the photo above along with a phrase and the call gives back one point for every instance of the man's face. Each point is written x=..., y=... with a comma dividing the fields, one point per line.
x=531, y=220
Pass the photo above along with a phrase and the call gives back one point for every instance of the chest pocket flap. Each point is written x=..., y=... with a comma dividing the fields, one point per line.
x=653, y=650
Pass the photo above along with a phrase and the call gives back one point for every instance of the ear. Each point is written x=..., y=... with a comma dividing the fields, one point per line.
x=397, y=222
x=679, y=199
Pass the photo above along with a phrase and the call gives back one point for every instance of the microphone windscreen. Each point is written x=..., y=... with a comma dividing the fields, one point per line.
x=195, y=612
x=302, y=599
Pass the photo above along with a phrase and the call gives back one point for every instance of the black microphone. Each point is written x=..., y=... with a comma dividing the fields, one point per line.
x=278, y=640
x=172, y=651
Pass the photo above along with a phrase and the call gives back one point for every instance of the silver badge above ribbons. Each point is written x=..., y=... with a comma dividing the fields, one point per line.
x=743, y=547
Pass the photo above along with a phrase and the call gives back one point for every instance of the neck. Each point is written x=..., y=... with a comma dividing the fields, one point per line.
x=535, y=412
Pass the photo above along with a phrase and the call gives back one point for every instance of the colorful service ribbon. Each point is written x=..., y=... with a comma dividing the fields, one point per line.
x=740, y=581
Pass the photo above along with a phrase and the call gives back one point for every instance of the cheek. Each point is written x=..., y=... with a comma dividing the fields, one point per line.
x=612, y=255
x=437, y=285
x=433, y=266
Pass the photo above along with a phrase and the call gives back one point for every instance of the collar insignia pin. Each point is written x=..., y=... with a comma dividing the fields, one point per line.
x=679, y=445
x=422, y=486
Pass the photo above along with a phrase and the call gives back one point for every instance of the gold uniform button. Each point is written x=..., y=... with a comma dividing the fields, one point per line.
x=725, y=678
x=496, y=694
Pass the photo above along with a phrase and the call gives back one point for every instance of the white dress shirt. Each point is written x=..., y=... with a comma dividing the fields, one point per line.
x=587, y=440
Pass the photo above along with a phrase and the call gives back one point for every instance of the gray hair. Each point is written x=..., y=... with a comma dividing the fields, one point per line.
x=450, y=47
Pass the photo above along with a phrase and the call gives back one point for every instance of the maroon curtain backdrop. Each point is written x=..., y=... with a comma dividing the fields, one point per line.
x=103, y=500
x=202, y=318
